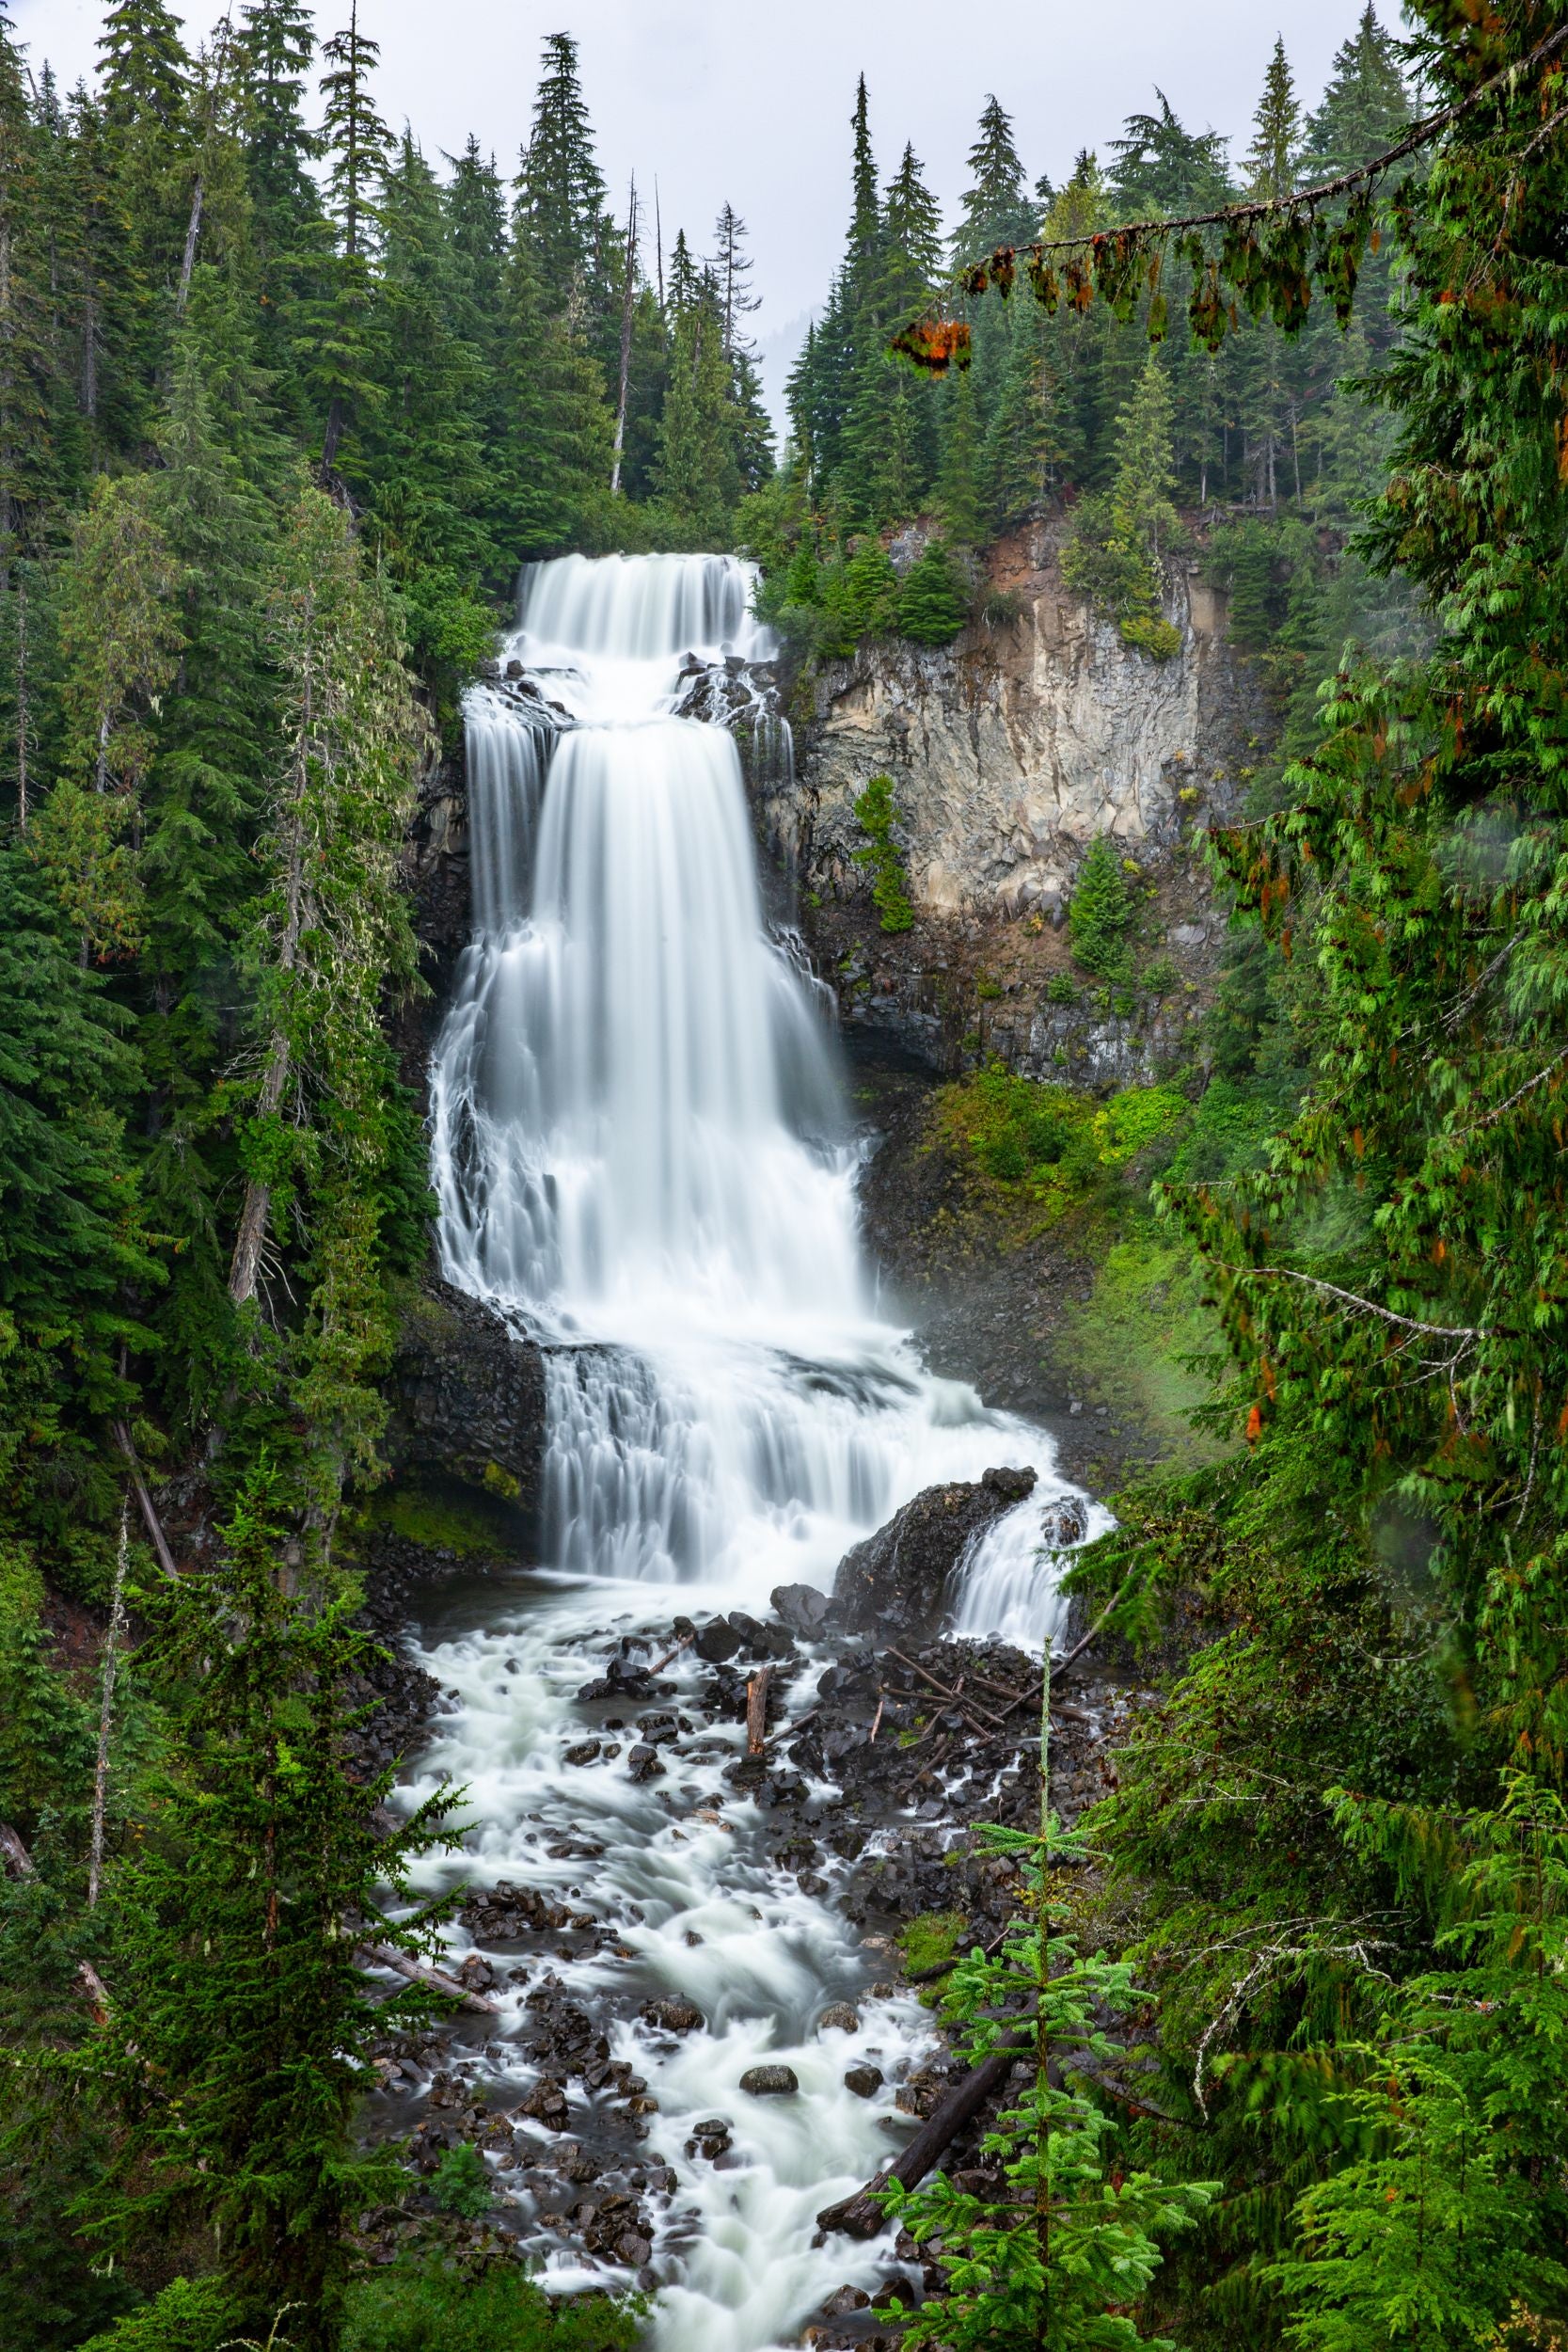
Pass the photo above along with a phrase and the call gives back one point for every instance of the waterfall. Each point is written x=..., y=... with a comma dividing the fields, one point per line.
x=639, y=1146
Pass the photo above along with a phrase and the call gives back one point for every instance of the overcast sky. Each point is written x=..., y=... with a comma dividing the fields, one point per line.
x=727, y=100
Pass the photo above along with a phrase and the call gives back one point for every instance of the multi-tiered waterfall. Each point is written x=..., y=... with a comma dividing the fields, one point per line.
x=639, y=1148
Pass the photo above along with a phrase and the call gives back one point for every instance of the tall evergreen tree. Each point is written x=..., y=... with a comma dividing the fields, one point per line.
x=996, y=206
x=561, y=191
x=1272, y=159
x=355, y=142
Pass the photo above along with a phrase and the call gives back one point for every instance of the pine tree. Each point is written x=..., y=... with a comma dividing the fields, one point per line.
x=561, y=191
x=238, y=1985
x=1100, y=914
x=278, y=43
x=26, y=465
x=733, y=266
x=1022, y=446
x=1272, y=159
x=324, y=1125
x=959, y=492
x=933, y=602
x=1365, y=107
x=889, y=441
x=1162, y=166
x=996, y=208
x=695, y=485
x=355, y=142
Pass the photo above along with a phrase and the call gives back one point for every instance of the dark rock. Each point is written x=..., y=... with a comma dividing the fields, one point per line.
x=840, y=2018
x=675, y=2014
x=716, y=1640
x=547, y=2104
x=864, y=2081
x=801, y=1607
x=1065, y=1523
x=894, y=1583
x=845, y=2300
x=769, y=2082
x=762, y=1641
x=642, y=1762
x=467, y=1407
x=583, y=1753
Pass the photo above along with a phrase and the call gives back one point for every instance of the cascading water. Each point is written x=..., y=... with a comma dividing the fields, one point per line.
x=638, y=1148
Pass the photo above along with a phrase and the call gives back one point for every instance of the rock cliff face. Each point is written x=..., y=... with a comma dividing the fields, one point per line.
x=1012, y=748
x=1009, y=751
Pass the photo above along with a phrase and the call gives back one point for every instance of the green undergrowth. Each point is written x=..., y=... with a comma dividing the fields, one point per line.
x=1139, y=1341
x=1043, y=1149
x=419, y=2307
x=437, y=1522
x=929, y=1939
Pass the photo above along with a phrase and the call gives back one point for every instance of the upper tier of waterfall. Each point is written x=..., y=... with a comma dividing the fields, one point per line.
x=638, y=1138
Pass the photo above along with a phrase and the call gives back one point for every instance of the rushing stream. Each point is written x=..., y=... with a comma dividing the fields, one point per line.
x=640, y=1152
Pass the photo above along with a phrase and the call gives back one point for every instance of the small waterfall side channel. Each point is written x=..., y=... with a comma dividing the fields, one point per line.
x=642, y=1154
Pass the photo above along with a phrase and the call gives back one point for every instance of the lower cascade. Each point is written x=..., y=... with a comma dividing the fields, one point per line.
x=642, y=1154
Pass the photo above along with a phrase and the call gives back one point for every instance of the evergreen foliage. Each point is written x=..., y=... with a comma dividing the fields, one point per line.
x=1101, y=913
x=876, y=815
x=933, y=601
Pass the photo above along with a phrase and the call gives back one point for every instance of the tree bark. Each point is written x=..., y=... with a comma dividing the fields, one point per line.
x=861, y=2215
x=13, y=1853
x=756, y=1710
x=626, y=342
x=189, y=261
x=105, y=1719
x=155, y=1529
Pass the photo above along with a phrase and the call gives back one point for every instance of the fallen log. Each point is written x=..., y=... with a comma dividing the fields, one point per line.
x=861, y=2216
x=756, y=1710
x=421, y=1972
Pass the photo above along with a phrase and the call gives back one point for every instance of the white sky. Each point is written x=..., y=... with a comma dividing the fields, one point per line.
x=724, y=99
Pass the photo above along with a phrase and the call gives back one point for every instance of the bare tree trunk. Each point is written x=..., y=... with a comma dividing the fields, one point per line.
x=756, y=1712
x=334, y=434
x=23, y=705
x=246, y=1265
x=861, y=2215
x=89, y=354
x=188, y=262
x=155, y=1527
x=658, y=245
x=1295, y=447
x=626, y=342
x=106, y=1719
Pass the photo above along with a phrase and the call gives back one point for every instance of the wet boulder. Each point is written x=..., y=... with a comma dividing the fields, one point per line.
x=864, y=2081
x=674, y=2014
x=769, y=2082
x=800, y=1608
x=896, y=1583
x=716, y=1640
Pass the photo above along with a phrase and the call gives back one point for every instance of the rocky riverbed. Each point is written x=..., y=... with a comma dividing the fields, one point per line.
x=853, y=1766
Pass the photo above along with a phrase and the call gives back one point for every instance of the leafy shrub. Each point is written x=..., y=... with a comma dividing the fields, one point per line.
x=1130, y=1120
x=1060, y=991
x=1101, y=913
x=1151, y=633
x=462, y=2182
x=875, y=814
x=424, y=2307
x=190, y=2316
x=1161, y=976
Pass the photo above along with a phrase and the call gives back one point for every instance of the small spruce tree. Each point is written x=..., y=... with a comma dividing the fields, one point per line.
x=933, y=602
x=1101, y=913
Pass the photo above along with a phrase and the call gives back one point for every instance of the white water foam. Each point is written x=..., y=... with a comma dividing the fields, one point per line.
x=639, y=1146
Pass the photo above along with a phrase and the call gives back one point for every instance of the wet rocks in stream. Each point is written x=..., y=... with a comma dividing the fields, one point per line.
x=896, y=1583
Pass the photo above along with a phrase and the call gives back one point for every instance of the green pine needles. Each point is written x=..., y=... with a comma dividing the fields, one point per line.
x=1100, y=914
x=876, y=815
x=1073, y=2238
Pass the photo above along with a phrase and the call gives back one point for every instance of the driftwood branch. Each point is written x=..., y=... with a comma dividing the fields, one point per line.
x=756, y=1710
x=421, y=1972
x=861, y=2216
x=160, y=1541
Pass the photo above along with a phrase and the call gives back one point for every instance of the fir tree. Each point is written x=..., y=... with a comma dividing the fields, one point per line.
x=1162, y=166
x=1101, y=913
x=239, y=1988
x=25, y=454
x=996, y=207
x=561, y=191
x=355, y=141
x=1273, y=157
x=1365, y=107
x=733, y=268
x=1022, y=446
x=933, y=602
